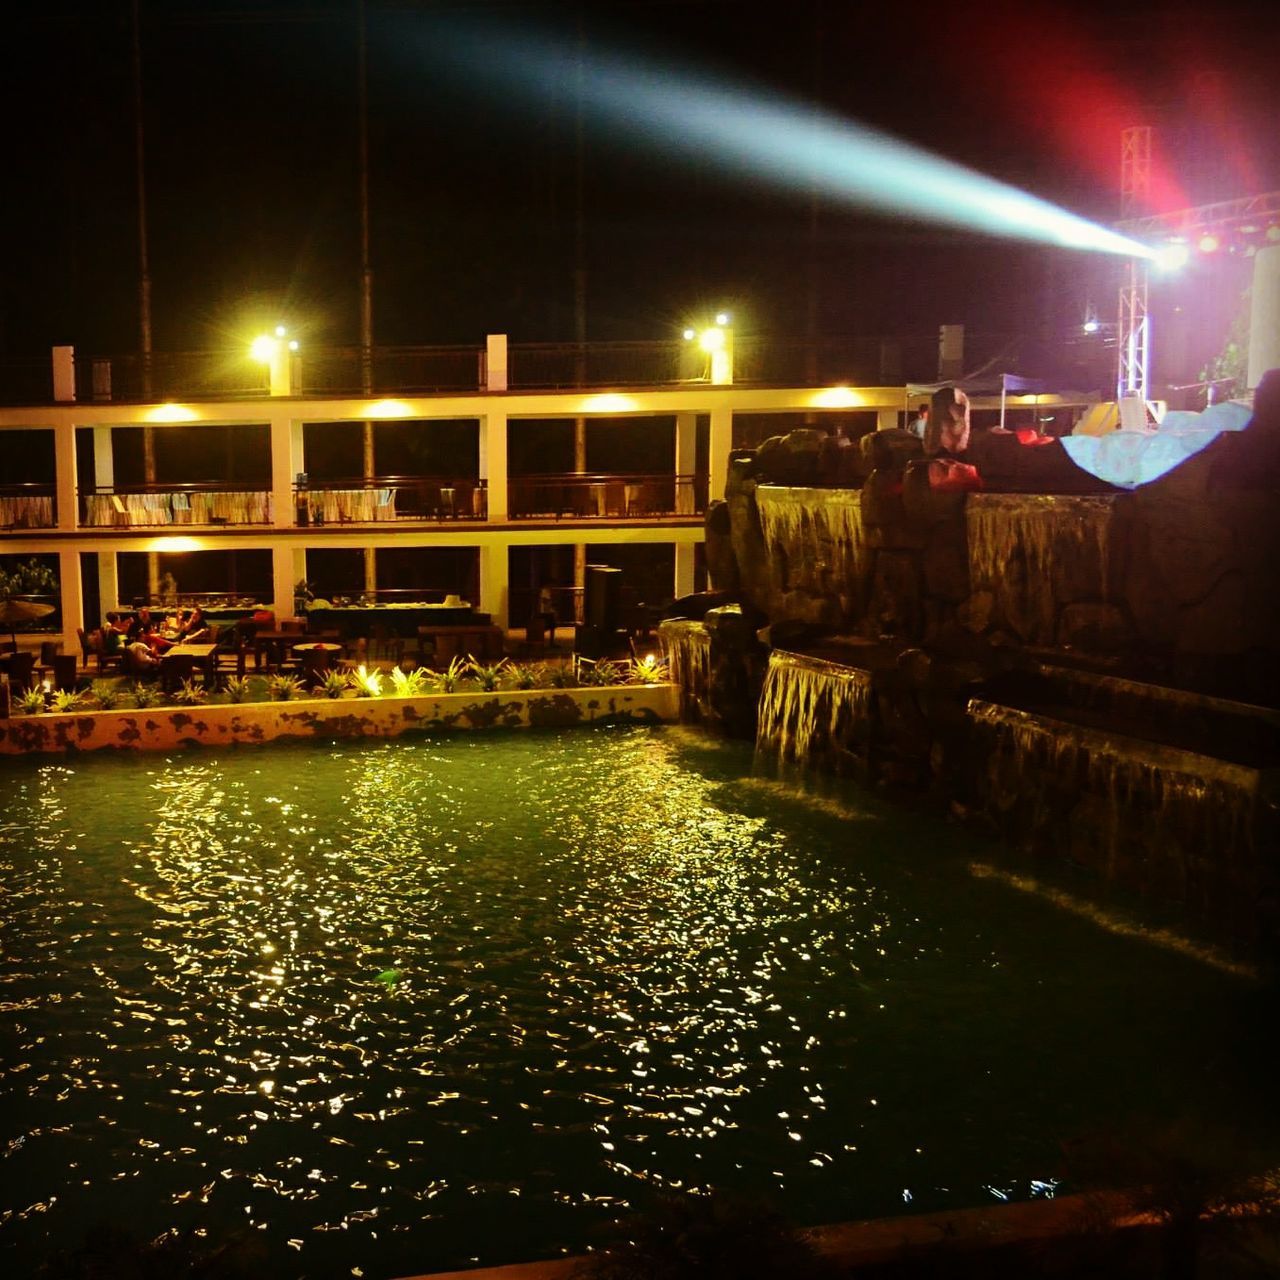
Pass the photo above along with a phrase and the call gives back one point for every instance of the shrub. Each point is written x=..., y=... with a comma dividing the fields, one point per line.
x=562, y=676
x=336, y=683
x=146, y=695
x=105, y=694
x=66, y=700
x=597, y=673
x=368, y=684
x=451, y=676
x=237, y=688
x=487, y=677
x=650, y=669
x=283, y=688
x=190, y=693
x=528, y=676
x=31, y=701
x=410, y=684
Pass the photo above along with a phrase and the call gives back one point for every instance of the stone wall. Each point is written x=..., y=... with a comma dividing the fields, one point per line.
x=170, y=728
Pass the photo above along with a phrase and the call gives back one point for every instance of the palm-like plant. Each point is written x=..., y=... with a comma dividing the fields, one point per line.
x=562, y=676
x=284, y=688
x=409, y=684
x=105, y=694
x=146, y=695
x=600, y=672
x=650, y=669
x=190, y=694
x=237, y=688
x=336, y=683
x=488, y=677
x=367, y=684
x=526, y=676
x=451, y=677
x=66, y=700
x=31, y=701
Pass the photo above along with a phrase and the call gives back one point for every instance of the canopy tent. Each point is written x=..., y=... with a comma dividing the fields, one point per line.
x=986, y=383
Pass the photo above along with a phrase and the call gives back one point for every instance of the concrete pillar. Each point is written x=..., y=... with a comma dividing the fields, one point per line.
x=72, y=592
x=104, y=459
x=684, y=569
x=64, y=374
x=370, y=469
x=108, y=582
x=286, y=462
x=496, y=362
x=282, y=580
x=721, y=445
x=686, y=461
x=1264, y=314
x=494, y=584
x=580, y=467
x=64, y=445
x=493, y=453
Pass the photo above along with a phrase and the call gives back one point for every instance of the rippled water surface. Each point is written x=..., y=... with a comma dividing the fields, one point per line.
x=400, y=1007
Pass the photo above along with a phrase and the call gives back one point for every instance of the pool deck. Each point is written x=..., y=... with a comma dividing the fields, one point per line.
x=172, y=728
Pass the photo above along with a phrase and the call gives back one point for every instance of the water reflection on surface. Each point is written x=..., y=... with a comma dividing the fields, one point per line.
x=401, y=1007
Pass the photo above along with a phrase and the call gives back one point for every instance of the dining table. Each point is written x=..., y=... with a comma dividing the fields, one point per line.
x=201, y=655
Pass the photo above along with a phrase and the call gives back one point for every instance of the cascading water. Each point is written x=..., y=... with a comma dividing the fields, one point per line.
x=818, y=534
x=1033, y=551
x=687, y=646
x=811, y=710
x=1157, y=817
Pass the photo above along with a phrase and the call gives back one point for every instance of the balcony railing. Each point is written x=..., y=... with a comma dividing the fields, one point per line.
x=605, y=497
x=390, y=498
x=27, y=506
x=150, y=506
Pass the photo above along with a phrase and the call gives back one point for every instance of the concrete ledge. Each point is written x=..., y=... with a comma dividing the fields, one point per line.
x=852, y=1245
x=172, y=728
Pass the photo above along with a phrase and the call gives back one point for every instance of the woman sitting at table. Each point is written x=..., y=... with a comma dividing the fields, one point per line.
x=195, y=628
x=139, y=658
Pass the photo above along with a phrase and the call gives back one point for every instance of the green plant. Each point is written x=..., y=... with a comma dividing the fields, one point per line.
x=284, y=688
x=105, y=694
x=66, y=700
x=190, y=694
x=367, y=684
x=29, y=579
x=31, y=701
x=237, y=688
x=451, y=676
x=527, y=676
x=562, y=676
x=600, y=672
x=410, y=684
x=650, y=669
x=336, y=683
x=488, y=677
x=146, y=695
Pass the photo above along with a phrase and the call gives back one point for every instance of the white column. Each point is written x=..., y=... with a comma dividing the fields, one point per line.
x=64, y=445
x=286, y=462
x=282, y=580
x=72, y=592
x=494, y=583
x=108, y=582
x=686, y=459
x=493, y=461
x=886, y=418
x=104, y=459
x=721, y=445
x=684, y=569
x=496, y=362
x=64, y=374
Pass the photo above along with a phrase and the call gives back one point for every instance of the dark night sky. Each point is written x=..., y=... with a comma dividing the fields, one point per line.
x=251, y=162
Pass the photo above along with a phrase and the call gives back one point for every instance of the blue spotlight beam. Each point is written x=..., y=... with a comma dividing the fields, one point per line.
x=768, y=138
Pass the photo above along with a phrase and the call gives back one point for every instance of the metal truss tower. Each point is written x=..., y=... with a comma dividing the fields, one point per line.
x=1134, y=329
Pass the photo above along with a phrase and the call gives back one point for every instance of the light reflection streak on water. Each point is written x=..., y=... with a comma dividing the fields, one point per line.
x=608, y=973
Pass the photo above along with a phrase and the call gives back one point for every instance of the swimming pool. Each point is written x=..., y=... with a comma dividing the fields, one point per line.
x=402, y=1006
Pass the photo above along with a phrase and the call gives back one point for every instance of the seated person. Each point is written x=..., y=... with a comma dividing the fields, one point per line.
x=195, y=628
x=139, y=658
x=113, y=634
x=153, y=639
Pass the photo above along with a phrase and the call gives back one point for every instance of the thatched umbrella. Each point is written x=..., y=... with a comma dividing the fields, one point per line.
x=13, y=612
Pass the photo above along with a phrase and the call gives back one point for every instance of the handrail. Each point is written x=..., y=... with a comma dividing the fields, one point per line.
x=183, y=486
x=312, y=484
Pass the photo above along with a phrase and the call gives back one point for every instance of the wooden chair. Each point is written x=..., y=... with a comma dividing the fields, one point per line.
x=64, y=671
x=21, y=670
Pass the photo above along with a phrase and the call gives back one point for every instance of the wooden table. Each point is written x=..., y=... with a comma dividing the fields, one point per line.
x=201, y=654
x=271, y=645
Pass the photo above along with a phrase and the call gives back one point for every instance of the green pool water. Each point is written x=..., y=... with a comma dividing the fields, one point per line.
x=406, y=1007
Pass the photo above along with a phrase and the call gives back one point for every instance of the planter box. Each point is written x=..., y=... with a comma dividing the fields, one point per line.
x=170, y=728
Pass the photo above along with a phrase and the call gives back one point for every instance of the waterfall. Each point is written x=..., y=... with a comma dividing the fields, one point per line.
x=1157, y=797
x=811, y=709
x=687, y=646
x=1034, y=552
x=818, y=534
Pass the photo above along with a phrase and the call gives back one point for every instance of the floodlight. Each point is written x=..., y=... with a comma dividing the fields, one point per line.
x=1091, y=325
x=1170, y=257
x=711, y=339
x=280, y=331
x=689, y=335
x=722, y=317
x=1209, y=243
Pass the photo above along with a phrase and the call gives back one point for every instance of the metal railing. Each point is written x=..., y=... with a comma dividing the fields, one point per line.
x=28, y=506
x=614, y=497
x=211, y=504
x=361, y=500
